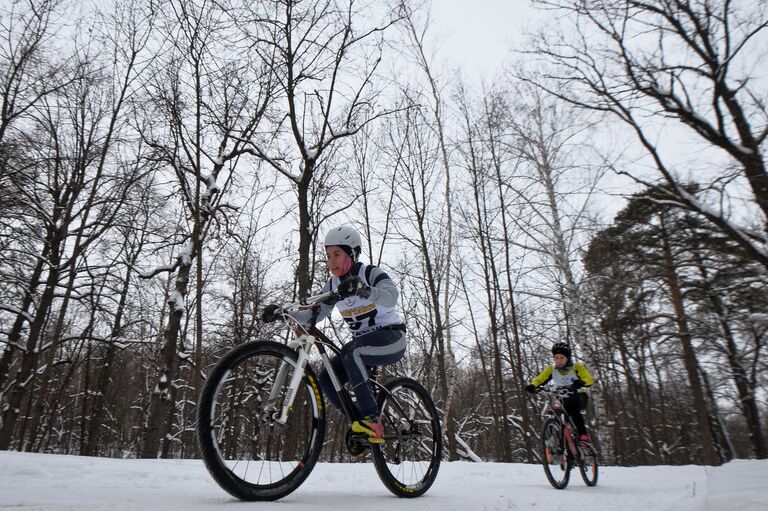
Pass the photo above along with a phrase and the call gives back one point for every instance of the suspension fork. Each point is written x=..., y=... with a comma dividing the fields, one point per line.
x=304, y=343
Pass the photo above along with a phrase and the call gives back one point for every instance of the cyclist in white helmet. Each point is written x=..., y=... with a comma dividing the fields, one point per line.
x=369, y=297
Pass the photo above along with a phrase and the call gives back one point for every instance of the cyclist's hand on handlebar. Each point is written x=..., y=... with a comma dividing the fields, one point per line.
x=532, y=389
x=271, y=313
x=576, y=385
x=352, y=286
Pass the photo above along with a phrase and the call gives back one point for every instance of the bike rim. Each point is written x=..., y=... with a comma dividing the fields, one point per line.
x=412, y=456
x=555, y=455
x=589, y=466
x=255, y=450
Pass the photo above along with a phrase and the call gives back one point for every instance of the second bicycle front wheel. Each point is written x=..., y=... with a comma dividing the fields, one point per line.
x=554, y=454
x=246, y=450
x=408, y=461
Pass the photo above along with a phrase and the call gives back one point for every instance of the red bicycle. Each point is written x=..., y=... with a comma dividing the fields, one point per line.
x=560, y=449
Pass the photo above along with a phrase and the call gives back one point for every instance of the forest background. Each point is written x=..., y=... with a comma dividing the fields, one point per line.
x=167, y=168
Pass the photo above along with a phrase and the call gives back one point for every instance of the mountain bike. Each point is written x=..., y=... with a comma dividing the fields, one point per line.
x=261, y=417
x=560, y=449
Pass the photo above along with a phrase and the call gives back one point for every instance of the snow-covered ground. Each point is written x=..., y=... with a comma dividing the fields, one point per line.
x=54, y=482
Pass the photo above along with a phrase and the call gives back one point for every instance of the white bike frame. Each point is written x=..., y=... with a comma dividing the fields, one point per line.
x=303, y=345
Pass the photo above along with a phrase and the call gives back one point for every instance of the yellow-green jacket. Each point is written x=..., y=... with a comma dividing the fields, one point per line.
x=565, y=376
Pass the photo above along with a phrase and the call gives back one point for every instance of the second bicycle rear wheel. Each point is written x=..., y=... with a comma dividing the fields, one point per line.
x=408, y=461
x=588, y=465
x=247, y=452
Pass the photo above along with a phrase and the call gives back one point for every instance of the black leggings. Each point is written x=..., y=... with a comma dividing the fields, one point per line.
x=573, y=405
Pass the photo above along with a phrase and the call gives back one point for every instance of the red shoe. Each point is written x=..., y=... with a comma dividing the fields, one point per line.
x=585, y=441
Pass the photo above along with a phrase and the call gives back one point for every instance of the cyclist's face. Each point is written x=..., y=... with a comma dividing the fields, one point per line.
x=339, y=261
x=560, y=360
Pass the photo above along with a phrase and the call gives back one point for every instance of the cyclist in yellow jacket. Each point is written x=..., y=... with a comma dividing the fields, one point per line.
x=564, y=373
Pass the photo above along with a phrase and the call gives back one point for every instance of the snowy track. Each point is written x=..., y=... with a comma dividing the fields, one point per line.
x=52, y=482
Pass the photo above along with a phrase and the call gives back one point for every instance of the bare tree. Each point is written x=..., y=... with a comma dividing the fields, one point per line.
x=108, y=189
x=75, y=198
x=416, y=32
x=490, y=162
x=419, y=221
x=547, y=137
x=325, y=56
x=134, y=230
x=29, y=73
x=691, y=62
x=207, y=102
x=478, y=215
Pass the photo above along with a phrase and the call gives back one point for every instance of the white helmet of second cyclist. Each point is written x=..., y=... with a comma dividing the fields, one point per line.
x=346, y=237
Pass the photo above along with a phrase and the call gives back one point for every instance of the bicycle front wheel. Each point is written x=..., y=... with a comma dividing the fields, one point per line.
x=247, y=452
x=408, y=461
x=588, y=465
x=554, y=454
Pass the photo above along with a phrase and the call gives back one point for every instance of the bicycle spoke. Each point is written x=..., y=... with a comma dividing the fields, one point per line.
x=250, y=454
x=588, y=465
x=408, y=462
x=555, y=454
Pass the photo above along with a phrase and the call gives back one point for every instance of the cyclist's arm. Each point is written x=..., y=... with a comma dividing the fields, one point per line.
x=304, y=316
x=383, y=290
x=583, y=374
x=543, y=377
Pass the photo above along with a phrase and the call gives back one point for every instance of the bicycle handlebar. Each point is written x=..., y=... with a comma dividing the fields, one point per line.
x=311, y=301
x=561, y=392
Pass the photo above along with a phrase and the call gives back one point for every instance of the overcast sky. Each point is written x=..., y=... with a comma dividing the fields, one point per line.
x=478, y=34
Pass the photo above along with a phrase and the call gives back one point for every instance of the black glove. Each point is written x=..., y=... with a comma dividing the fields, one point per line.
x=531, y=388
x=271, y=313
x=352, y=286
x=577, y=384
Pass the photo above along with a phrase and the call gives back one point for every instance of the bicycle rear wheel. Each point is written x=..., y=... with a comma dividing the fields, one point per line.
x=246, y=451
x=588, y=465
x=408, y=461
x=554, y=454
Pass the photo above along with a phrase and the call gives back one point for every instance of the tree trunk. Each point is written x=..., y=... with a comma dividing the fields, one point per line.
x=14, y=336
x=746, y=396
x=709, y=455
x=53, y=348
x=105, y=373
x=303, y=277
x=161, y=405
x=522, y=401
x=84, y=405
x=26, y=374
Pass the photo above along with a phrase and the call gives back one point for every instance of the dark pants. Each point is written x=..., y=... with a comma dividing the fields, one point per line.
x=377, y=348
x=573, y=405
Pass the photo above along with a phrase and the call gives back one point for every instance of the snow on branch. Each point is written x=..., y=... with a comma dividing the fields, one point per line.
x=17, y=311
x=467, y=452
x=160, y=269
x=184, y=257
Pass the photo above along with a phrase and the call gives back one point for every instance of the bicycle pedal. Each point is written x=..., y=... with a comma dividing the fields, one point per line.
x=357, y=443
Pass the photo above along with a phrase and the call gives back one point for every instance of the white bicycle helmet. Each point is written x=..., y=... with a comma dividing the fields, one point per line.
x=345, y=236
